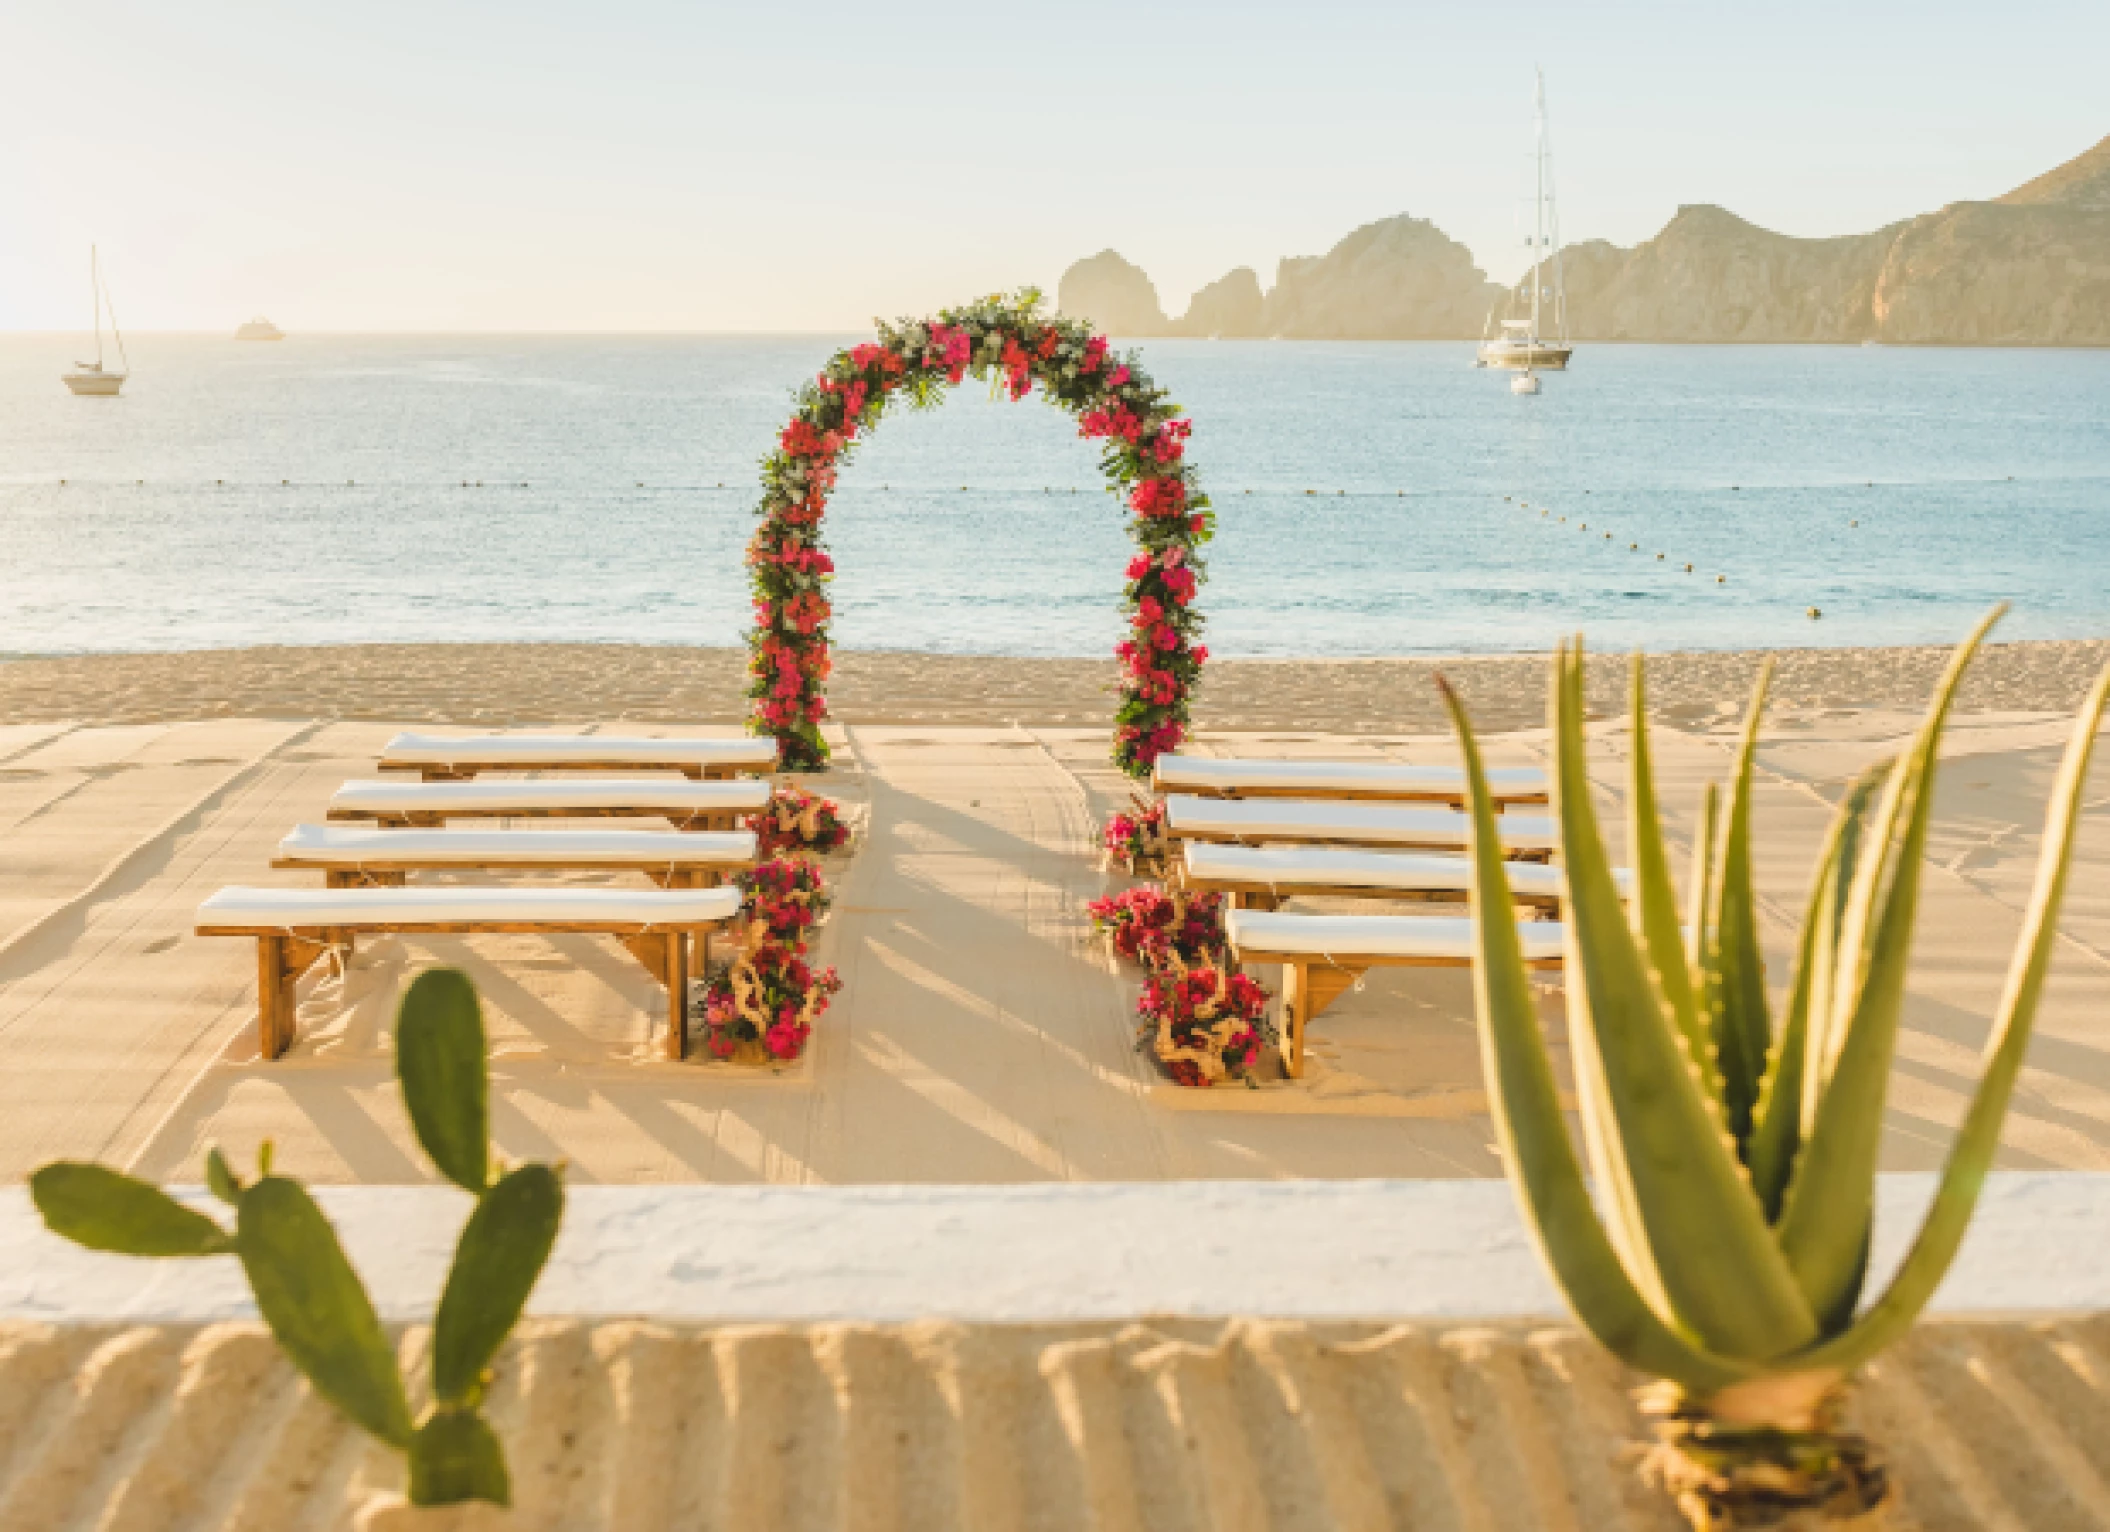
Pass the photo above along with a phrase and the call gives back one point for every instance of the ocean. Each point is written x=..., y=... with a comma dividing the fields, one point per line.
x=1373, y=498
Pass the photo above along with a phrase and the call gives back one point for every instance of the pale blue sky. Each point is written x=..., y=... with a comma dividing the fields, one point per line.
x=616, y=165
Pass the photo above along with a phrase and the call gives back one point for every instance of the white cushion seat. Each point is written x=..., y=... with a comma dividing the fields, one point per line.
x=1301, y=819
x=527, y=750
x=354, y=846
x=1416, y=937
x=587, y=793
x=1370, y=779
x=247, y=910
x=1291, y=867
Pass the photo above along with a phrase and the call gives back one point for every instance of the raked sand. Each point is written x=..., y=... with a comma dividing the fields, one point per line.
x=983, y=1035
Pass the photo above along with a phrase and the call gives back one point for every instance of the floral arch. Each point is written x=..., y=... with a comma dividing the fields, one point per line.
x=1012, y=342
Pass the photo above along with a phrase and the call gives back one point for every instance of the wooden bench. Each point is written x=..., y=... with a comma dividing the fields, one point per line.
x=1323, y=955
x=687, y=805
x=358, y=857
x=295, y=927
x=461, y=757
x=1262, y=877
x=1393, y=826
x=1205, y=776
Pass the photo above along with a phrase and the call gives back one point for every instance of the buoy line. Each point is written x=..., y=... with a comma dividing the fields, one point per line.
x=1551, y=518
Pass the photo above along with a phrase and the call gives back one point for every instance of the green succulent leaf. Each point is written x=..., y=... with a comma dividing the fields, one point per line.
x=1829, y=1212
x=1736, y=988
x=1789, y=1095
x=455, y=1457
x=101, y=1208
x=1525, y=1100
x=1654, y=908
x=500, y=1255
x=440, y=1061
x=220, y=1177
x=316, y=1307
x=1706, y=1234
x=1971, y=1155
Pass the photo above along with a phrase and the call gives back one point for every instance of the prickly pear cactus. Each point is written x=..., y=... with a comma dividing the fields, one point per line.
x=304, y=1285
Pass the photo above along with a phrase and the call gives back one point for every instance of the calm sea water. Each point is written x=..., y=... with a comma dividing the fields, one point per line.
x=313, y=492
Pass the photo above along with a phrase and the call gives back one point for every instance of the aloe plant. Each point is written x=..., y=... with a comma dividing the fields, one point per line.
x=1733, y=1151
x=307, y=1290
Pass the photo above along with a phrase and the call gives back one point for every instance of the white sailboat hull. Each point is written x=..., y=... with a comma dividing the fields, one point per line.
x=1541, y=357
x=102, y=385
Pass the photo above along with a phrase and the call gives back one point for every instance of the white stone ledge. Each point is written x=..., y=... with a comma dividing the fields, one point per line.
x=1039, y=1252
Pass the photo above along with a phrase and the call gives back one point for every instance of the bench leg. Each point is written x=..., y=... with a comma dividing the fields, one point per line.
x=274, y=998
x=1306, y=992
x=677, y=946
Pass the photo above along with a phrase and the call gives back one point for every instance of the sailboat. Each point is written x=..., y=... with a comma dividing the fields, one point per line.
x=1524, y=341
x=93, y=378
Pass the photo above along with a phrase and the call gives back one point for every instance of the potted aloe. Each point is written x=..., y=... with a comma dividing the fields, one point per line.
x=1731, y=1150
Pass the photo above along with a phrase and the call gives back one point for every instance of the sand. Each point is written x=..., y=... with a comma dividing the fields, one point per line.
x=944, y=1427
x=587, y=683
x=983, y=1035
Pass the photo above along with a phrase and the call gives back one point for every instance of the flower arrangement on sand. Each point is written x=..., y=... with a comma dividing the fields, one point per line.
x=797, y=821
x=1149, y=926
x=1206, y=1023
x=785, y=899
x=760, y=1007
x=1009, y=341
x=1135, y=842
x=1202, y=1021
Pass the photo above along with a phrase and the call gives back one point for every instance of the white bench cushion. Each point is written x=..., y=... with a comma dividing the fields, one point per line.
x=302, y=908
x=1376, y=823
x=443, y=749
x=1346, y=937
x=1292, y=867
x=1200, y=773
x=743, y=796
x=352, y=845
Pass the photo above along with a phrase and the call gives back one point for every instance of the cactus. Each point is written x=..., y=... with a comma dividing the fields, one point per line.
x=307, y=1290
x=1734, y=1163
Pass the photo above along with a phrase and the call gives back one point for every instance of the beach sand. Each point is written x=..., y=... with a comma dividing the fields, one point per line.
x=941, y=1427
x=983, y=1034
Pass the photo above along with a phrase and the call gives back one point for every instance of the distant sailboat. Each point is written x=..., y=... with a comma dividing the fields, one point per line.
x=92, y=378
x=1523, y=342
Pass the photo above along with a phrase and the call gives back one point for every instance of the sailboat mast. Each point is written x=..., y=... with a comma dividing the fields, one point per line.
x=1538, y=206
x=95, y=280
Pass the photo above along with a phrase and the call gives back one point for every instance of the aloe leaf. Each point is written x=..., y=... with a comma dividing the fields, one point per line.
x=1825, y=1224
x=316, y=1307
x=101, y=1208
x=1737, y=991
x=1700, y=894
x=440, y=1062
x=455, y=1457
x=1971, y=1156
x=1776, y=1134
x=496, y=1263
x=1710, y=1242
x=1654, y=908
x=1525, y=1103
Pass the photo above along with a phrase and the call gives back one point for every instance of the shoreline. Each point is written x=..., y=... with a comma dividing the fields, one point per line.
x=579, y=683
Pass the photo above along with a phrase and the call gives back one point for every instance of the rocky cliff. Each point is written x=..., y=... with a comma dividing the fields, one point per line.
x=1114, y=294
x=2030, y=268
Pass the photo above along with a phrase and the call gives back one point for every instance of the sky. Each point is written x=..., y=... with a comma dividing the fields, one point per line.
x=628, y=165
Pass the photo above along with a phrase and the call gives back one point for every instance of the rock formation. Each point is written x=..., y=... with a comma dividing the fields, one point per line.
x=1114, y=295
x=2030, y=268
x=1397, y=279
x=1230, y=306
